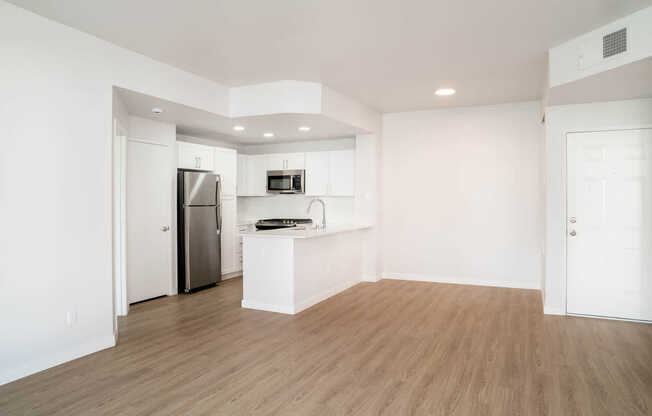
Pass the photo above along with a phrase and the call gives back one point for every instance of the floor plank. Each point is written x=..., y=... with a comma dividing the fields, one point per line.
x=386, y=348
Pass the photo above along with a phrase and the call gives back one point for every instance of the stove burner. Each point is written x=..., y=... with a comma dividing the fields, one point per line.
x=276, y=223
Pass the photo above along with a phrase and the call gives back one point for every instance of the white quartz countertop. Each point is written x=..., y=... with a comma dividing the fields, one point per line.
x=305, y=232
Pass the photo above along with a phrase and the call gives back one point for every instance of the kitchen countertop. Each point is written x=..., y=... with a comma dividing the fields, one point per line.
x=305, y=232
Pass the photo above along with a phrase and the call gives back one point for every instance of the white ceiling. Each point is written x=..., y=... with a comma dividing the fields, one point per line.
x=194, y=122
x=388, y=54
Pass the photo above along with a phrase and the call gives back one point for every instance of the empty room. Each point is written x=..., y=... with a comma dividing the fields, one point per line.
x=304, y=207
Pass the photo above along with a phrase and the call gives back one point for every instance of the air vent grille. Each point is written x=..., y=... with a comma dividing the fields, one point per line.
x=614, y=43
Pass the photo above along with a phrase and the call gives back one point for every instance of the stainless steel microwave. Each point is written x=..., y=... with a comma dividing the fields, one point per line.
x=286, y=181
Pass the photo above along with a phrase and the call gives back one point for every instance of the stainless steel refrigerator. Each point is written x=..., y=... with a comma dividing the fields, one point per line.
x=199, y=226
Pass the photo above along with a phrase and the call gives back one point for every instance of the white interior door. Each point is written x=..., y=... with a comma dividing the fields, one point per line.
x=148, y=220
x=609, y=224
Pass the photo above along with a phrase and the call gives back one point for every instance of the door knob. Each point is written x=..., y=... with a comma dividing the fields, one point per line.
x=573, y=220
x=573, y=233
x=165, y=228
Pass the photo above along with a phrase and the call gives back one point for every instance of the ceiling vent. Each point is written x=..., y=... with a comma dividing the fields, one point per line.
x=614, y=43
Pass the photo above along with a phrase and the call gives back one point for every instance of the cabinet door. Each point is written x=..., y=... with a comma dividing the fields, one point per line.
x=194, y=156
x=295, y=161
x=316, y=173
x=229, y=235
x=242, y=189
x=205, y=155
x=342, y=173
x=186, y=156
x=257, y=175
x=276, y=161
x=225, y=165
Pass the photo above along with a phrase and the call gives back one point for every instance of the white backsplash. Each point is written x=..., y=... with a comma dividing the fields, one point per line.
x=339, y=210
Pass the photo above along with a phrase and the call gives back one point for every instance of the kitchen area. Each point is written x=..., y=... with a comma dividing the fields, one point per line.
x=272, y=225
x=284, y=201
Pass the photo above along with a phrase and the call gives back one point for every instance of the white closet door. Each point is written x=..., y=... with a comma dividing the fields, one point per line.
x=609, y=224
x=149, y=194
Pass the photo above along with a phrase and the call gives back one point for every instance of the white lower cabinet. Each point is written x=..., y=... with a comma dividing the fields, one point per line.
x=229, y=235
x=241, y=228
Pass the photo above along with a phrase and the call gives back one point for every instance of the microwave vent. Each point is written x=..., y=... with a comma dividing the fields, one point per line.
x=614, y=43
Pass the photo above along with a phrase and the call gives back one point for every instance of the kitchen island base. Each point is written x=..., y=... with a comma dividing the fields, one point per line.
x=288, y=273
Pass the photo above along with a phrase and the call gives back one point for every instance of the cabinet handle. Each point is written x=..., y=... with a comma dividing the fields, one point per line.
x=197, y=162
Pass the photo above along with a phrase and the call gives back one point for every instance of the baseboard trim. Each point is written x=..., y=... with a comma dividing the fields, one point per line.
x=370, y=278
x=324, y=295
x=56, y=358
x=461, y=281
x=547, y=310
x=231, y=275
x=300, y=306
x=247, y=304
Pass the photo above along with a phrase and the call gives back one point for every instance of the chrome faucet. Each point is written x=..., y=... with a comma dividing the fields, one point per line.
x=323, y=212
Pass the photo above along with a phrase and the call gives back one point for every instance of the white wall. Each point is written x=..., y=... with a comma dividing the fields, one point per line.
x=461, y=195
x=55, y=183
x=561, y=120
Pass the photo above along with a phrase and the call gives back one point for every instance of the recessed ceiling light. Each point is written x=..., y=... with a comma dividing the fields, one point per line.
x=445, y=91
x=157, y=110
x=238, y=128
x=268, y=134
x=304, y=128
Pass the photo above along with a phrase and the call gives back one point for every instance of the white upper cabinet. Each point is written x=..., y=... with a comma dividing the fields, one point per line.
x=241, y=186
x=295, y=161
x=257, y=175
x=317, y=173
x=285, y=161
x=195, y=156
x=330, y=173
x=327, y=173
x=225, y=164
x=341, y=173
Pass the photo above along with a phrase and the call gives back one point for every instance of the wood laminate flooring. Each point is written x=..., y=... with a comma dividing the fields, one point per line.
x=386, y=348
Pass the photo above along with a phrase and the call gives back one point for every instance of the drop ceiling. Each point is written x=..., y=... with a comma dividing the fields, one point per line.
x=194, y=122
x=389, y=55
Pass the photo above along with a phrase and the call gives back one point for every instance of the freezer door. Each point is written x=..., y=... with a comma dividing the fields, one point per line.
x=202, y=246
x=200, y=188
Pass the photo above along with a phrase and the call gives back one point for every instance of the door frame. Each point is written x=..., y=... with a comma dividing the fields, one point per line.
x=119, y=201
x=564, y=277
x=119, y=179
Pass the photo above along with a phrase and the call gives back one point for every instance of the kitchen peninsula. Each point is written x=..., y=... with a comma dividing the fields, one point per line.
x=289, y=270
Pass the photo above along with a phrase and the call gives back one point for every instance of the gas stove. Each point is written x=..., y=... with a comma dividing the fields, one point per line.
x=276, y=223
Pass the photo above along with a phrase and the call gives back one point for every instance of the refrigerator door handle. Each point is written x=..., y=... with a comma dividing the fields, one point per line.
x=218, y=202
x=218, y=217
